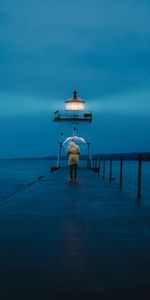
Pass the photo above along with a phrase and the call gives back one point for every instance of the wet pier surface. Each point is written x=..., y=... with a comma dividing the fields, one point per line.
x=83, y=240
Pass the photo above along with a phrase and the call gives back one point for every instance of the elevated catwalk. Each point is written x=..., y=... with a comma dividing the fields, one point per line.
x=74, y=241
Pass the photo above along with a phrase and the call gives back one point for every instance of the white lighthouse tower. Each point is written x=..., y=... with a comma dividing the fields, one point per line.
x=74, y=123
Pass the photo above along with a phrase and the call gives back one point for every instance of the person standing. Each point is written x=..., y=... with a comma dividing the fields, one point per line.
x=73, y=153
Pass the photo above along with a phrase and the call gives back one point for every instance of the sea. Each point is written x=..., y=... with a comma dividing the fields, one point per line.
x=17, y=174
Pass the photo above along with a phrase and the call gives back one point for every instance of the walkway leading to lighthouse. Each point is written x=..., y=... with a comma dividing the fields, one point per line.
x=84, y=240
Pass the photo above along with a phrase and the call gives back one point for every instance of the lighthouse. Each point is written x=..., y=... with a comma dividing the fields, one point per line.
x=74, y=124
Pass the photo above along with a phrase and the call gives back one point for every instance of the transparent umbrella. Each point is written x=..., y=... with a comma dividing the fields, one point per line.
x=76, y=139
x=80, y=141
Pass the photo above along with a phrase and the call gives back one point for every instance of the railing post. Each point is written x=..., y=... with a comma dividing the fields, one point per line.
x=110, y=175
x=88, y=163
x=121, y=172
x=59, y=154
x=139, y=176
x=93, y=164
x=99, y=166
x=104, y=168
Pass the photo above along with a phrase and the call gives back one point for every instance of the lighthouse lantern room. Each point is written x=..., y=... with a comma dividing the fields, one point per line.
x=75, y=103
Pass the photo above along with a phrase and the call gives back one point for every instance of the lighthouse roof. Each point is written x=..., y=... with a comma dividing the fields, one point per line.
x=75, y=98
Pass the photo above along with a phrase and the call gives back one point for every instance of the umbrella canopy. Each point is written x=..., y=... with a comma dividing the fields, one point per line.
x=77, y=139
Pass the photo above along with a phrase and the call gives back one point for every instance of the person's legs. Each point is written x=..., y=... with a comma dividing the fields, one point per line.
x=71, y=172
x=75, y=170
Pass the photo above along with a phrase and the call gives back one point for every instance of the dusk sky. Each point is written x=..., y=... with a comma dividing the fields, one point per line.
x=48, y=48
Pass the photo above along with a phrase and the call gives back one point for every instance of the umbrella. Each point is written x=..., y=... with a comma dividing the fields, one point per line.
x=76, y=139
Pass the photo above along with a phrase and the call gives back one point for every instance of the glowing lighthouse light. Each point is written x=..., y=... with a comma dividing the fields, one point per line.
x=75, y=103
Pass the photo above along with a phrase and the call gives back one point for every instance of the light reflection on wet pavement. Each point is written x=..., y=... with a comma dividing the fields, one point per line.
x=62, y=240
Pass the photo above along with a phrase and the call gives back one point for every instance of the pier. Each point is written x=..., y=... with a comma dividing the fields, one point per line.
x=81, y=240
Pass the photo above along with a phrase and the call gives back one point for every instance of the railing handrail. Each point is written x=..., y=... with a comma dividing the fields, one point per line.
x=145, y=156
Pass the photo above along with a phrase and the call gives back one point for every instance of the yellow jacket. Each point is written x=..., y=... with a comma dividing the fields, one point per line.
x=73, y=153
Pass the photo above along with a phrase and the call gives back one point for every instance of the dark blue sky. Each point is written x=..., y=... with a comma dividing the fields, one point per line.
x=50, y=48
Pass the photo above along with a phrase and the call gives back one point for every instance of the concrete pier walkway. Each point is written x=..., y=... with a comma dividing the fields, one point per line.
x=84, y=240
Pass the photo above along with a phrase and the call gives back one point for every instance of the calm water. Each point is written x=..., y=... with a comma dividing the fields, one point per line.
x=17, y=174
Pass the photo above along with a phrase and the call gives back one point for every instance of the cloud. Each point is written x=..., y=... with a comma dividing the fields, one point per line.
x=14, y=105
x=4, y=18
x=49, y=48
x=136, y=103
x=99, y=47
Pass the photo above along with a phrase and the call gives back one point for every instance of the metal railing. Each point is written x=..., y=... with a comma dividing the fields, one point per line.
x=98, y=159
x=67, y=115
